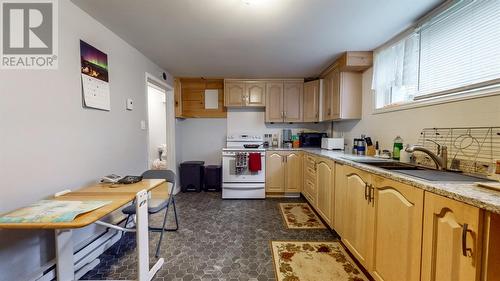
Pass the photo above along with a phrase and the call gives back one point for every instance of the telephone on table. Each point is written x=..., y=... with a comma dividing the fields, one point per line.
x=121, y=180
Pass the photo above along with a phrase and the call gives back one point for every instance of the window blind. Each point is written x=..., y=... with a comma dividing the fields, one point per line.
x=460, y=48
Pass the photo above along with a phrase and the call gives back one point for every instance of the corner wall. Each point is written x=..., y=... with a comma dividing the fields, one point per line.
x=408, y=123
x=48, y=142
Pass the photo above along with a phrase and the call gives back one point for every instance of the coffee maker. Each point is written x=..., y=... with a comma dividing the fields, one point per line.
x=287, y=138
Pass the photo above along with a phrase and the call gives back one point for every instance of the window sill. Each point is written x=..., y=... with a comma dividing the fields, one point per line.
x=460, y=96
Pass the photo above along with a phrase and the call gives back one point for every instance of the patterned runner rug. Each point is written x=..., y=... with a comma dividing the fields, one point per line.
x=300, y=216
x=313, y=261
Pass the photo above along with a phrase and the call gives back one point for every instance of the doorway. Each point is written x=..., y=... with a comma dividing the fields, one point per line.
x=160, y=124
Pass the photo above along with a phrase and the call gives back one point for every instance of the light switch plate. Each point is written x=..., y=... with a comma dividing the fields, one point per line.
x=143, y=125
x=130, y=104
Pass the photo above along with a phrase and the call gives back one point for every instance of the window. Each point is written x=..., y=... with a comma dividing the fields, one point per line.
x=456, y=50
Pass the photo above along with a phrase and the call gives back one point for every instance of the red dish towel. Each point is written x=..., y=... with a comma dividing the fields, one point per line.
x=254, y=162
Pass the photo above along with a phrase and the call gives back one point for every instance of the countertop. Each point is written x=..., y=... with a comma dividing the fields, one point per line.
x=464, y=192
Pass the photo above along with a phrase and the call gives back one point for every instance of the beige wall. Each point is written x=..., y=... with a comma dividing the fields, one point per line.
x=252, y=120
x=408, y=123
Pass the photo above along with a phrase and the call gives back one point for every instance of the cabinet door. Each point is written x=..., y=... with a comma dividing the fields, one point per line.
x=311, y=101
x=274, y=102
x=293, y=175
x=451, y=240
x=398, y=236
x=275, y=172
x=335, y=92
x=326, y=107
x=325, y=188
x=358, y=231
x=234, y=94
x=339, y=203
x=293, y=93
x=255, y=94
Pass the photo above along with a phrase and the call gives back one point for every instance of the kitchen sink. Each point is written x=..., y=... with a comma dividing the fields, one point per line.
x=391, y=165
x=442, y=176
x=420, y=172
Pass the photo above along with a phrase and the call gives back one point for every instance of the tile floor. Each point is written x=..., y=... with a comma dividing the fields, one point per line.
x=217, y=240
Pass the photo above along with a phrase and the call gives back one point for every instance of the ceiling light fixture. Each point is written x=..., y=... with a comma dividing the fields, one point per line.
x=252, y=2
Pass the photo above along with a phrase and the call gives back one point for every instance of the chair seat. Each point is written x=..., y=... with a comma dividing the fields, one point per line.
x=155, y=205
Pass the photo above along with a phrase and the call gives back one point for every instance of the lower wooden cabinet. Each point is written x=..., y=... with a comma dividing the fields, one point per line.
x=283, y=172
x=309, y=188
x=339, y=204
x=451, y=249
x=325, y=183
x=398, y=230
x=359, y=216
x=275, y=172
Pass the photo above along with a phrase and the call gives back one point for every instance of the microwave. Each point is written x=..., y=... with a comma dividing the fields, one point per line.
x=311, y=139
x=332, y=143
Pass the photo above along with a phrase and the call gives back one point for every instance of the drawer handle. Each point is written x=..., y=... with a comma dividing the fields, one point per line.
x=372, y=195
x=366, y=192
x=464, y=240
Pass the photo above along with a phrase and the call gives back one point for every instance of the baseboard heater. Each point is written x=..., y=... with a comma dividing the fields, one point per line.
x=85, y=258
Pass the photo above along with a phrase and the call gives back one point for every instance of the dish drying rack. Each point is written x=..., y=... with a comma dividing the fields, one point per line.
x=470, y=149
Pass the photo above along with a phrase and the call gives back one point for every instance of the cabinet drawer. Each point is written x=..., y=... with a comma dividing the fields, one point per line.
x=310, y=172
x=310, y=190
x=310, y=178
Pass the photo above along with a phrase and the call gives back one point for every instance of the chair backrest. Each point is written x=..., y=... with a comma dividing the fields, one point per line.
x=167, y=175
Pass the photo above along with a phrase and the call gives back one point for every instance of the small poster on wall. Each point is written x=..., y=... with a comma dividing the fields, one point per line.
x=95, y=80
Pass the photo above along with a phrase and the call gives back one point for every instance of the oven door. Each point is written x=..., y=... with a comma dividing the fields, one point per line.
x=229, y=174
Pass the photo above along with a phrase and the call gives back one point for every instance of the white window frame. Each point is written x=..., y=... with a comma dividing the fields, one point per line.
x=481, y=90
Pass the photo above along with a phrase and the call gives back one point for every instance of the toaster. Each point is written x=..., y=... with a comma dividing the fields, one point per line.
x=332, y=143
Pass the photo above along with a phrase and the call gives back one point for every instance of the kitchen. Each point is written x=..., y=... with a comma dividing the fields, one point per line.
x=308, y=141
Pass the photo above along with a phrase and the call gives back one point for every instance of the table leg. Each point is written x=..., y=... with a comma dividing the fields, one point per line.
x=142, y=236
x=64, y=255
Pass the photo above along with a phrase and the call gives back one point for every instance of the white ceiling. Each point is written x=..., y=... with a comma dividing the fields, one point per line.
x=253, y=38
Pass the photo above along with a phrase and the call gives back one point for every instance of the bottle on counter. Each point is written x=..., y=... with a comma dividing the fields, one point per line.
x=398, y=146
x=404, y=156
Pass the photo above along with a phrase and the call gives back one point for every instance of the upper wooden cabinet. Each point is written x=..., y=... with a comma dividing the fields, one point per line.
x=234, y=94
x=452, y=238
x=341, y=95
x=255, y=94
x=292, y=99
x=284, y=101
x=190, y=98
x=311, y=101
x=355, y=61
x=240, y=93
x=274, y=102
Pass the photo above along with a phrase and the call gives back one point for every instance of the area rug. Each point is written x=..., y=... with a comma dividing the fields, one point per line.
x=300, y=216
x=313, y=261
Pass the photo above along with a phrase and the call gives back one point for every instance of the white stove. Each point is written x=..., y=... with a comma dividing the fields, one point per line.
x=242, y=184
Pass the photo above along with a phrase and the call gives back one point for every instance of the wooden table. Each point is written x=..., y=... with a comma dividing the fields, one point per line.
x=119, y=195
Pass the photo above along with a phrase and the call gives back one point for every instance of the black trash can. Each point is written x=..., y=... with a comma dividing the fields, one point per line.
x=213, y=178
x=192, y=173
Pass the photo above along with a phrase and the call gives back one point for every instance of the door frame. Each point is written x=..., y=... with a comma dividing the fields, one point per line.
x=170, y=110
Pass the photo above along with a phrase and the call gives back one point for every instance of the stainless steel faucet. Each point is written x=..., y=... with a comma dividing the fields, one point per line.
x=440, y=159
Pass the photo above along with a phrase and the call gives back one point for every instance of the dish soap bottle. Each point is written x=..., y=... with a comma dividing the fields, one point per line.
x=398, y=146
